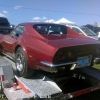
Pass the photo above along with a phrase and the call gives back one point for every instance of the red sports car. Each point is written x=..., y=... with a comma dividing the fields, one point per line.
x=47, y=46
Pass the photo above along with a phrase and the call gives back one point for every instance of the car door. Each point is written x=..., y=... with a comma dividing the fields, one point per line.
x=9, y=41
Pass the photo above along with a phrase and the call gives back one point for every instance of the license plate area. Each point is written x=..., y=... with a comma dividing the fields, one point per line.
x=84, y=61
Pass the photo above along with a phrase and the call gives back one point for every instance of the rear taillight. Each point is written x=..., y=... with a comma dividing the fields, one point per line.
x=64, y=56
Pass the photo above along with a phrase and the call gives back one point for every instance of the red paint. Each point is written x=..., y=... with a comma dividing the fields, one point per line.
x=23, y=87
x=2, y=77
x=81, y=92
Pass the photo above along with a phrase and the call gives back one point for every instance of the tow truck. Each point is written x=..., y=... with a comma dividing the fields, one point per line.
x=46, y=86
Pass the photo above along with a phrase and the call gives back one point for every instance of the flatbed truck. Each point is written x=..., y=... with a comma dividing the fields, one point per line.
x=47, y=86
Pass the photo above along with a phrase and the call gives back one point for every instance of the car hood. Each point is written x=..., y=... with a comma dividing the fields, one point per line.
x=64, y=41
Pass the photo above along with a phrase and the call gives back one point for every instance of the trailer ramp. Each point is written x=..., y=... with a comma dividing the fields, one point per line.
x=40, y=85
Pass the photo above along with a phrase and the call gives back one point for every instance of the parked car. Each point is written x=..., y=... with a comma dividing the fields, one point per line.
x=5, y=26
x=85, y=31
x=94, y=28
x=49, y=47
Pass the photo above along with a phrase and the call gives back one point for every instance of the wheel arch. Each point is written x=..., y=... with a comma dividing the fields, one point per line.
x=22, y=48
x=30, y=62
x=27, y=71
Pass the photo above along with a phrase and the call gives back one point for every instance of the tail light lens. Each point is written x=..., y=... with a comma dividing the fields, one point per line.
x=64, y=56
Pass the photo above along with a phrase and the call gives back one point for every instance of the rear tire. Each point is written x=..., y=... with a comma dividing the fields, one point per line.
x=22, y=64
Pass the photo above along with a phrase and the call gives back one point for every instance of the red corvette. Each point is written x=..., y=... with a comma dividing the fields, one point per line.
x=47, y=46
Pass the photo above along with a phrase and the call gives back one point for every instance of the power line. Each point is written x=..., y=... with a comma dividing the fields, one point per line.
x=54, y=10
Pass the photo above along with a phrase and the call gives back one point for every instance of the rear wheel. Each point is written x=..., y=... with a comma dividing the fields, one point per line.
x=22, y=63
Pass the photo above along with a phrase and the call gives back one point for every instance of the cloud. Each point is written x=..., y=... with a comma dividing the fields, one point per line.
x=44, y=18
x=17, y=7
x=5, y=12
x=2, y=15
x=50, y=21
x=36, y=18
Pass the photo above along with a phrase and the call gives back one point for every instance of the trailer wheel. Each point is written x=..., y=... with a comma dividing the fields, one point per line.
x=22, y=64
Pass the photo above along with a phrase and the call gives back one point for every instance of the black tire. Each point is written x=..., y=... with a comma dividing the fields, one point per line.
x=22, y=64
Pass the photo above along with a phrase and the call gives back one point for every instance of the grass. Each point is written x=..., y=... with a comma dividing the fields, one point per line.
x=97, y=66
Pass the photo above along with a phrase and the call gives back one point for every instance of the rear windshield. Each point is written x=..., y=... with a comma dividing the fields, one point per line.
x=50, y=29
x=4, y=22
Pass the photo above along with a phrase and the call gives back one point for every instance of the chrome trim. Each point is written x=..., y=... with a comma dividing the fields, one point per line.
x=55, y=65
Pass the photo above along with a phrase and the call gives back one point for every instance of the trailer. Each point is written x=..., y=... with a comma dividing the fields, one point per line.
x=47, y=86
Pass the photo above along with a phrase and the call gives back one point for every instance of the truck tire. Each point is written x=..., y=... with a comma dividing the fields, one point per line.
x=22, y=64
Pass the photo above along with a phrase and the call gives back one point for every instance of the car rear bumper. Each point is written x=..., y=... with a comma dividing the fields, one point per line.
x=57, y=65
x=50, y=67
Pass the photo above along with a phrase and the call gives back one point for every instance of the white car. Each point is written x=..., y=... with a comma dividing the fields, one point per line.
x=85, y=31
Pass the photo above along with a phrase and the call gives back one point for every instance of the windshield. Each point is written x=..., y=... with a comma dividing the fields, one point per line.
x=50, y=29
x=77, y=30
x=88, y=31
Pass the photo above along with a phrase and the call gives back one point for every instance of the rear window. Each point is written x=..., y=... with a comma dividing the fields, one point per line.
x=4, y=22
x=50, y=29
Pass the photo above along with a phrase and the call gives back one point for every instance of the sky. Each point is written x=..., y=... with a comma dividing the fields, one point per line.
x=80, y=12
